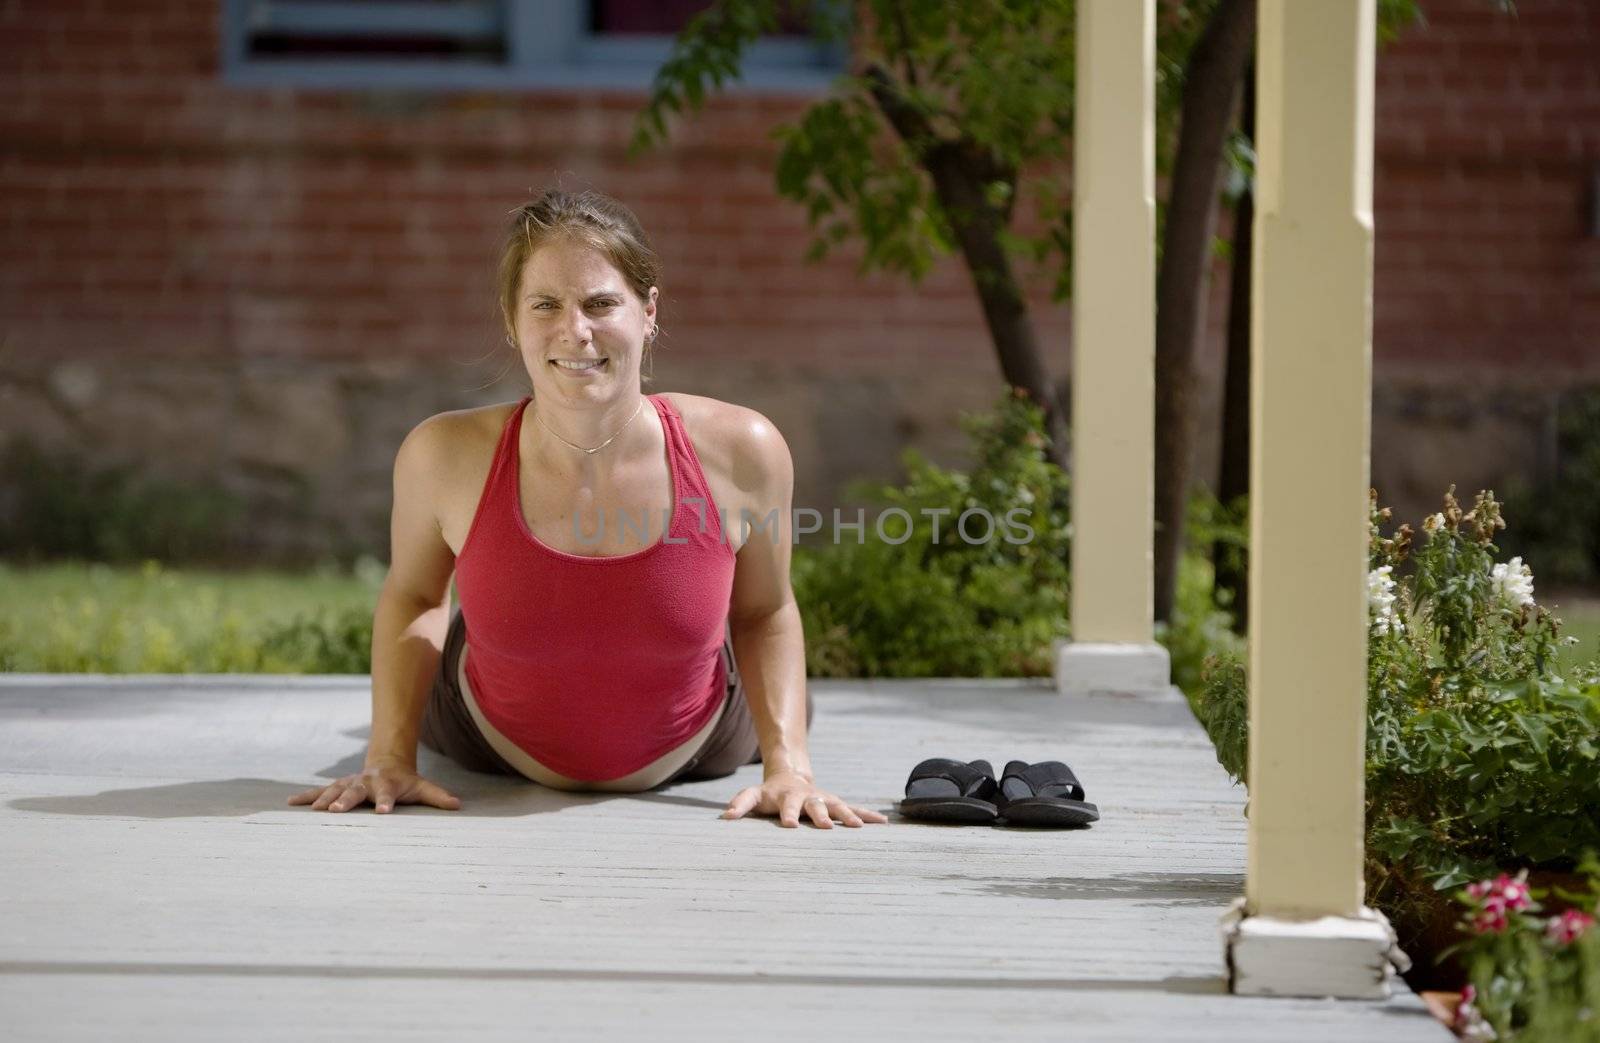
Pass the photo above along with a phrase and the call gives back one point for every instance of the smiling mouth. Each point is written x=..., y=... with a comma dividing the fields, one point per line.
x=580, y=365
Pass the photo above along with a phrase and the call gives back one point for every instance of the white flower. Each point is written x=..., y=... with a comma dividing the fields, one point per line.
x=1380, y=600
x=1433, y=523
x=1513, y=583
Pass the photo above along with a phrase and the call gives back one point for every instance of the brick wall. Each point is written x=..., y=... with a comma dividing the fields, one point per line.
x=1488, y=152
x=266, y=288
x=1487, y=262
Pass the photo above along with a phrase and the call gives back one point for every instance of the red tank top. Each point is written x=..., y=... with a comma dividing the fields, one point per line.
x=596, y=666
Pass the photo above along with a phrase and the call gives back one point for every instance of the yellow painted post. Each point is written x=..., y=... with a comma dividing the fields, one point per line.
x=1310, y=403
x=1113, y=354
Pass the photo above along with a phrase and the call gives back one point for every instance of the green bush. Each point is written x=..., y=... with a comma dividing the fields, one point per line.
x=1201, y=627
x=326, y=641
x=1479, y=753
x=930, y=607
x=56, y=505
x=946, y=608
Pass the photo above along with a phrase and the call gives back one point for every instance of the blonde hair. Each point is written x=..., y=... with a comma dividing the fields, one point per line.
x=588, y=217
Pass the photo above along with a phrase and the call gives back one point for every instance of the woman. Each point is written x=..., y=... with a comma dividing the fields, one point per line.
x=601, y=560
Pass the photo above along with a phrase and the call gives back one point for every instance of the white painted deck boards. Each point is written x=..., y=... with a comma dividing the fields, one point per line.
x=157, y=887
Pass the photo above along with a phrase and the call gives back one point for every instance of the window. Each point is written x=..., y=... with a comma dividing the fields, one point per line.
x=488, y=44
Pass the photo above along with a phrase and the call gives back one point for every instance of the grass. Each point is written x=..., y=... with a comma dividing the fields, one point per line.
x=83, y=617
x=93, y=618
x=1580, y=618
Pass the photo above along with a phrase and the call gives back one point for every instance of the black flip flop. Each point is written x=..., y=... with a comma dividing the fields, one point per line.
x=944, y=790
x=1043, y=794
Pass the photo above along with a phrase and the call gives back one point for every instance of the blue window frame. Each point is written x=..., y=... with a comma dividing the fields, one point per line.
x=477, y=45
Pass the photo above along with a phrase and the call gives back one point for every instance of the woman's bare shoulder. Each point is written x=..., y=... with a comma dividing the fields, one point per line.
x=728, y=437
x=719, y=420
x=456, y=429
x=456, y=453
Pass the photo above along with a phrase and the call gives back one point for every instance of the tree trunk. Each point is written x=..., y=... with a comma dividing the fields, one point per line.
x=1211, y=82
x=1234, y=481
x=977, y=229
x=960, y=170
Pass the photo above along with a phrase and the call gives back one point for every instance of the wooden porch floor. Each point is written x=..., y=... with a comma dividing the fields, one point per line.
x=159, y=888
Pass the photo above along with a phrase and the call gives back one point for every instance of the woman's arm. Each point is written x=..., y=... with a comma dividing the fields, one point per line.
x=405, y=653
x=406, y=640
x=769, y=641
x=768, y=638
x=413, y=612
x=408, y=632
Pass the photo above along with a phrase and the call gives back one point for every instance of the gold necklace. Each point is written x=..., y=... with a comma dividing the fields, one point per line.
x=602, y=445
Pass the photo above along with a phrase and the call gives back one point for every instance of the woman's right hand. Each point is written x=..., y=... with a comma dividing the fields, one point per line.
x=385, y=784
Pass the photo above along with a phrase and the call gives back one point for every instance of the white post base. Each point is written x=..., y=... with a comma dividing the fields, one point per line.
x=1346, y=957
x=1088, y=668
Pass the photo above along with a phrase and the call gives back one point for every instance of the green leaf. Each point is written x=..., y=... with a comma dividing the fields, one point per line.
x=1537, y=731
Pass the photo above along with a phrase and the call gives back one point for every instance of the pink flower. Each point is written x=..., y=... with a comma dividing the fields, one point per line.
x=1568, y=927
x=1503, y=892
x=1489, y=921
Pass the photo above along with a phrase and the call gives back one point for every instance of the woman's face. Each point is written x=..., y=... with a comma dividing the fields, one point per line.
x=574, y=306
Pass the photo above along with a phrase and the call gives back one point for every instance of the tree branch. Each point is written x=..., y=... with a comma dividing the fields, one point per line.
x=905, y=43
x=907, y=120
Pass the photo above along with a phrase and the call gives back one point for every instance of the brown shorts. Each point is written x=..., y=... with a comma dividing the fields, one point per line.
x=448, y=727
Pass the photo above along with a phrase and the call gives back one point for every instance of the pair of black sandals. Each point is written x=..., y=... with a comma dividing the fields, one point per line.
x=1043, y=794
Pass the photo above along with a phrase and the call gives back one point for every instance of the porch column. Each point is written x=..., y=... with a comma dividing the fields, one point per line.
x=1301, y=928
x=1113, y=356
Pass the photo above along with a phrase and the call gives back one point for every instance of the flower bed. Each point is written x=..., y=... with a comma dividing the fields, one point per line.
x=1533, y=973
x=1481, y=755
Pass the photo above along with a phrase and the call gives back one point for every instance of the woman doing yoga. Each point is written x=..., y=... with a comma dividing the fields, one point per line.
x=622, y=625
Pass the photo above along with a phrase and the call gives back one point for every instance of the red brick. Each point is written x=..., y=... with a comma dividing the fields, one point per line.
x=132, y=166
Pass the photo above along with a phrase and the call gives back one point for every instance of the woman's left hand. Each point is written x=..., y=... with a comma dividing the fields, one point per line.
x=787, y=794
